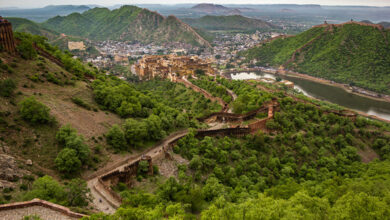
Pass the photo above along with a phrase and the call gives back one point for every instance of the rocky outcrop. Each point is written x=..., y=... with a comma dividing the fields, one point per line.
x=10, y=172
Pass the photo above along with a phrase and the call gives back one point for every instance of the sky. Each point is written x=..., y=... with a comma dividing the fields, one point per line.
x=42, y=3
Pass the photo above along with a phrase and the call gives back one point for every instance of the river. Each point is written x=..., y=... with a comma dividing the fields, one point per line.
x=328, y=93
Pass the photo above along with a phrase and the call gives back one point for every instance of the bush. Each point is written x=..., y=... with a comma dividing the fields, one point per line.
x=116, y=138
x=81, y=103
x=67, y=161
x=67, y=137
x=33, y=111
x=7, y=87
x=26, y=49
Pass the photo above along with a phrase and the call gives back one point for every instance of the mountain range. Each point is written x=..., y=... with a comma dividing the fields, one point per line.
x=231, y=22
x=356, y=53
x=215, y=9
x=128, y=23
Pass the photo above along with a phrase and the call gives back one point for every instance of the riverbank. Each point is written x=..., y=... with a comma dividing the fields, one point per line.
x=347, y=88
x=356, y=90
x=368, y=107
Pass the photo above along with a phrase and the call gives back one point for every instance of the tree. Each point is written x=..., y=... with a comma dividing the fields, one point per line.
x=116, y=138
x=67, y=161
x=64, y=133
x=67, y=137
x=77, y=193
x=154, y=125
x=199, y=72
x=33, y=111
x=213, y=189
x=48, y=189
x=143, y=168
x=7, y=87
x=135, y=131
x=77, y=143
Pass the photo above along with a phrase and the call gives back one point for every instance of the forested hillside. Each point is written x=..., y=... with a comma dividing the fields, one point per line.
x=352, y=53
x=128, y=23
x=308, y=166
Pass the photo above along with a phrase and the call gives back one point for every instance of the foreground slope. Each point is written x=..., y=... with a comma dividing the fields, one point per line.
x=128, y=23
x=354, y=53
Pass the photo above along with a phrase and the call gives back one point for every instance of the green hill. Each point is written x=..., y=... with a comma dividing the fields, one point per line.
x=232, y=22
x=128, y=23
x=354, y=53
x=25, y=25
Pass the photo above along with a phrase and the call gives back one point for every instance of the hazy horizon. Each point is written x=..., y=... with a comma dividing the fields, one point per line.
x=43, y=3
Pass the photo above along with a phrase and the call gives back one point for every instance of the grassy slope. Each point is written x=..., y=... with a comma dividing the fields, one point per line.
x=38, y=142
x=349, y=54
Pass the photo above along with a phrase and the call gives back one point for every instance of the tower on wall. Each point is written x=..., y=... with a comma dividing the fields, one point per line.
x=7, y=41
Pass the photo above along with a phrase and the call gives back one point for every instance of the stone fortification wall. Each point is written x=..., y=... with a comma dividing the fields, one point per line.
x=45, y=210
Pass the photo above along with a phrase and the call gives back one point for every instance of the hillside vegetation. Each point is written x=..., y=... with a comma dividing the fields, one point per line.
x=307, y=166
x=128, y=23
x=232, y=22
x=27, y=26
x=351, y=53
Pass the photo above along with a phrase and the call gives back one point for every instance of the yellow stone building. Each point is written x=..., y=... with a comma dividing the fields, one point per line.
x=171, y=66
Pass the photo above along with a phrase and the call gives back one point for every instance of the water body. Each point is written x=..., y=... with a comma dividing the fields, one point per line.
x=328, y=93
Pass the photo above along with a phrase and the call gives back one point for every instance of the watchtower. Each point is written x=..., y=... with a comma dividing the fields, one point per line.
x=7, y=41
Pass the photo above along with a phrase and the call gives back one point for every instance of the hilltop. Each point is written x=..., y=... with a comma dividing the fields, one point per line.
x=128, y=23
x=231, y=22
x=354, y=53
x=25, y=25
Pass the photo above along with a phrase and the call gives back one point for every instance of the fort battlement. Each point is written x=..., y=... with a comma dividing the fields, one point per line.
x=7, y=41
x=380, y=27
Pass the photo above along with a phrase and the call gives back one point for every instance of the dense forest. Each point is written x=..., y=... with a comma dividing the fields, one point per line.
x=354, y=54
x=308, y=166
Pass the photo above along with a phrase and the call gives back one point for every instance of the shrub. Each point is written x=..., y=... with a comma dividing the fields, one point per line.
x=33, y=111
x=67, y=161
x=7, y=87
x=116, y=138
x=26, y=49
x=81, y=103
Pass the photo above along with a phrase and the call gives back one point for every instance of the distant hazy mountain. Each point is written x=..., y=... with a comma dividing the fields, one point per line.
x=128, y=23
x=215, y=9
x=385, y=24
x=42, y=14
x=232, y=22
x=355, y=53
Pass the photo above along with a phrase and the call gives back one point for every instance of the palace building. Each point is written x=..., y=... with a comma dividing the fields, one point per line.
x=171, y=66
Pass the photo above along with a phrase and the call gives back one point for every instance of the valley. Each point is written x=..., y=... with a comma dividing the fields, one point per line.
x=194, y=111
